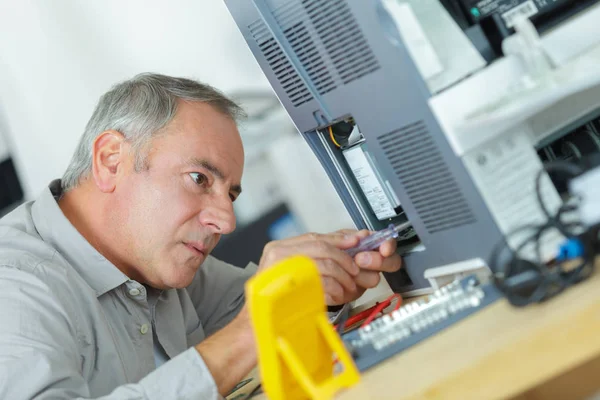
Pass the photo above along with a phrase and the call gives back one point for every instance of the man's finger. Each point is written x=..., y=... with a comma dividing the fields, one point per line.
x=325, y=249
x=373, y=261
x=338, y=239
x=361, y=234
x=367, y=279
x=329, y=268
x=369, y=260
x=388, y=248
x=334, y=293
x=392, y=264
x=334, y=237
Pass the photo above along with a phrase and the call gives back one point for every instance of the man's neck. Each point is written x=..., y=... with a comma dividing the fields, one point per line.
x=90, y=215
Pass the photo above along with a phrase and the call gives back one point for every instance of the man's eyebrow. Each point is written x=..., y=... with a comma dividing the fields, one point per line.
x=215, y=171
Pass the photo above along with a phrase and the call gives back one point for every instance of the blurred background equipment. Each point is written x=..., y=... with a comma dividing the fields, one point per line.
x=11, y=192
x=416, y=117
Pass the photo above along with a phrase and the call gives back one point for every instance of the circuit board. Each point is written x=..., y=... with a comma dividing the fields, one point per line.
x=418, y=321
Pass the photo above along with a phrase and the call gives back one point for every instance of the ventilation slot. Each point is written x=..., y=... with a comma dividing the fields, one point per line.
x=342, y=38
x=327, y=41
x=304, y=48
x=291, y=18
x=419, y=166
x=287, y=76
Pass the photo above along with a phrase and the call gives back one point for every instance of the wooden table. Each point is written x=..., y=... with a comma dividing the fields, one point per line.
x=548, y=351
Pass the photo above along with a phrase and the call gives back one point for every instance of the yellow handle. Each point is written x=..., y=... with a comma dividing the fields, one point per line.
x=296, y=344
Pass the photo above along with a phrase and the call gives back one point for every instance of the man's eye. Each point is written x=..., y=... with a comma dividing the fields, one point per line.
x=198, y=178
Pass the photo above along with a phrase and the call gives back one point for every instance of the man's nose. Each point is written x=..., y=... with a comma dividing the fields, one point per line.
x=219, y=217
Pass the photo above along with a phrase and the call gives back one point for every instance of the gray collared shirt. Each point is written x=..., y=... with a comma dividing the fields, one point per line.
x=73, y=326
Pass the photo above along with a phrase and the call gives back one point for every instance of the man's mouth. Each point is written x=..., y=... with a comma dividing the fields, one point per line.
x=196, y=248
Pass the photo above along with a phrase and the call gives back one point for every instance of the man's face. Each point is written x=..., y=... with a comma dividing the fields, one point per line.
x=175, y=211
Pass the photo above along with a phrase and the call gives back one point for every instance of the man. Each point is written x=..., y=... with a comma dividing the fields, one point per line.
x=107, y=288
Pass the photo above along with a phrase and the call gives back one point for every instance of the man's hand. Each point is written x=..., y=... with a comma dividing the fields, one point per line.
x=344, y=278
x=230, y=353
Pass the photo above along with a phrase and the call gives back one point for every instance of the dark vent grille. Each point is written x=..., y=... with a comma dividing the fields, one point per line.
x=320, y=33
x=287, y=76
x=342, y=38
x=292, y=21
x=425, y=176
x=308, y=55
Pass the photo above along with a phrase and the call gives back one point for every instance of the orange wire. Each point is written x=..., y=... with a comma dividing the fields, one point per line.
x=332, y=138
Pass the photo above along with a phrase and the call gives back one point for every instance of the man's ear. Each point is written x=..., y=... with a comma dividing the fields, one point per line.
x=108, y=156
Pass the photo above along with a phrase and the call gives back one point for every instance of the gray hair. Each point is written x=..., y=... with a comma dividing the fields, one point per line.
x=139, y=108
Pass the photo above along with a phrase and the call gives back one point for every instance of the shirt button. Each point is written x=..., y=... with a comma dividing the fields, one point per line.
x=144, y=329
x=134, y=292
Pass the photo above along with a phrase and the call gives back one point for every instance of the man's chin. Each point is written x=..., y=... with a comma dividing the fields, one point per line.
x=183, y=276
x=178, y=282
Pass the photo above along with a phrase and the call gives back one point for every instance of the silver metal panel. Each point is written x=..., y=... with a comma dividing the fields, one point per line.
x=389, y=103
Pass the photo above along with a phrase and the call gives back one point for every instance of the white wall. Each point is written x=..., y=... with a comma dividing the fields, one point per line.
x=58, y=57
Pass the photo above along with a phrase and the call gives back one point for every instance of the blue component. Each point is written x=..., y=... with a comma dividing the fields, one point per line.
x=572, y=248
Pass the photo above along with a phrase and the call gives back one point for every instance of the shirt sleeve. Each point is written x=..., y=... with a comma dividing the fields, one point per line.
x=40, y=358
x=217, y=292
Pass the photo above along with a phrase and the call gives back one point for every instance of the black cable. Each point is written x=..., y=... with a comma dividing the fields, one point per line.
x=524, y=282
x=504, y=278
x=556, y=166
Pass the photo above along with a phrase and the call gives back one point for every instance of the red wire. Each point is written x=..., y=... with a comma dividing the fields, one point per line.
x=380, y=307
x=399, y=303
x=375, y=312
x=370, y=313
x=359, y=317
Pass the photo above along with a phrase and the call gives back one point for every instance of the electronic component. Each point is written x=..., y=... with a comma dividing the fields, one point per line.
x=382, y=201
x=509, y=10
x=497, y=18
x=344, y=133
x=542, y=12
x=418, y=321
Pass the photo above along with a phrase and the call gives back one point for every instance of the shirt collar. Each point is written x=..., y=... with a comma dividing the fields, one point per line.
x=56, y=230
